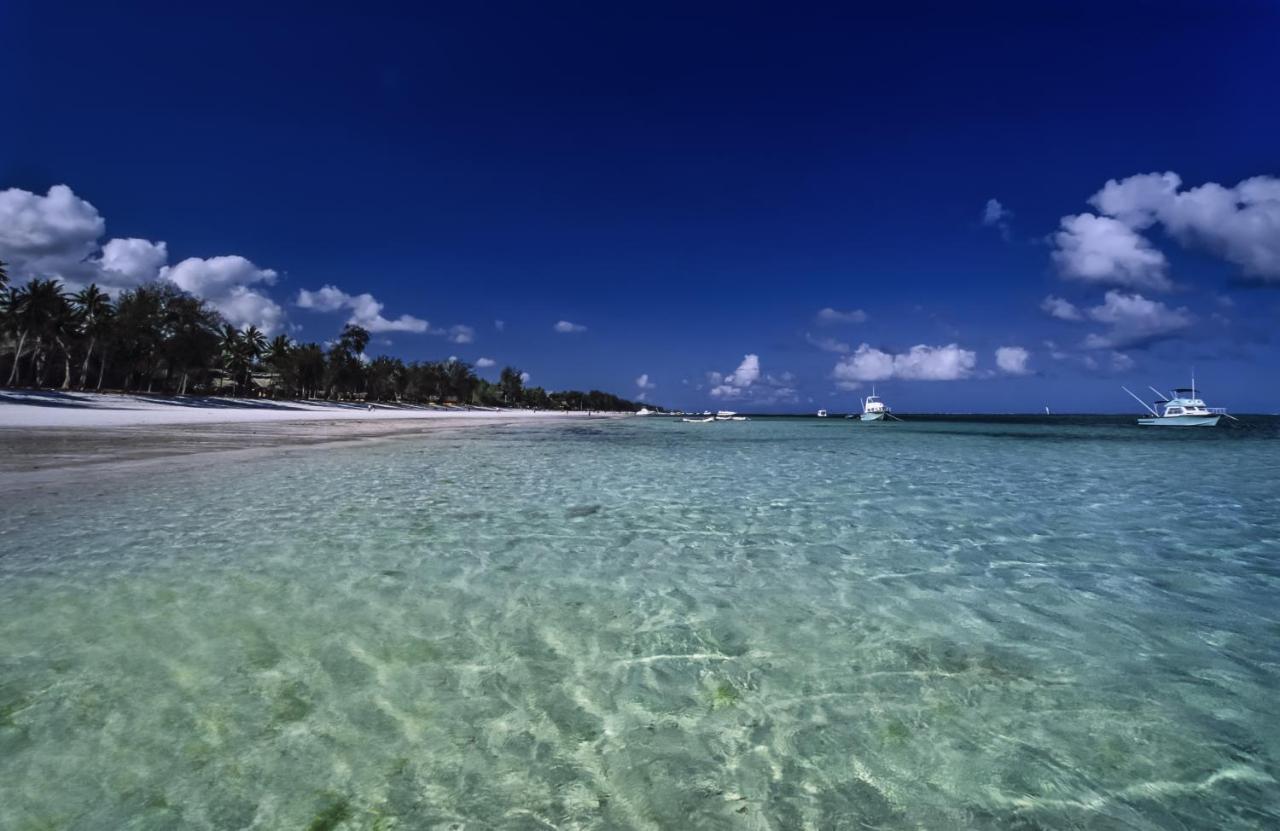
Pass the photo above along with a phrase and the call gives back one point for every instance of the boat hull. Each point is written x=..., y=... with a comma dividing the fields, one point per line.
x=873, y=416
x=1181, y=421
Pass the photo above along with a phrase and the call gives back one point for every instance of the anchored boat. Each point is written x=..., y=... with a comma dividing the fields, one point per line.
x=873, y=409
x=1181, y=408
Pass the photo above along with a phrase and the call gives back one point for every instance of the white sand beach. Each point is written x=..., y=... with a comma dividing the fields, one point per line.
x=56, y=439
x=34, y=409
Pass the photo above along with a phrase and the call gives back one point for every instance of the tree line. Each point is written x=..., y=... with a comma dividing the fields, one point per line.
x=157, y=338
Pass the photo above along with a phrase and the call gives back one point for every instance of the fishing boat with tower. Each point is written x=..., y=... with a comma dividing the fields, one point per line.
x=1183, y=407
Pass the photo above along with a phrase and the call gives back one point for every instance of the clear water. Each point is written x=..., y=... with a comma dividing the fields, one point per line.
x=771, y=624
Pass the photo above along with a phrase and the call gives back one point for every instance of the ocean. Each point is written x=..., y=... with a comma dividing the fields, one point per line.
x=1031, y=623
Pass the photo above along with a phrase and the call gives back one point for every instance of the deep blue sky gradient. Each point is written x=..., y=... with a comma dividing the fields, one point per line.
x=692, y=182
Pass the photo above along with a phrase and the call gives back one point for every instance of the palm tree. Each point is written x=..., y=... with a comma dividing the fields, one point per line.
x=191, y=344
x=234, y=355
x=94, y=308
x=309, y=360
x=279, y=356
x=37, y=310
x=354, y=339
x=4, y=275
x=64, y=330
x=255, y=342
x=512, y=383
x=138, y=331
x=17, y=320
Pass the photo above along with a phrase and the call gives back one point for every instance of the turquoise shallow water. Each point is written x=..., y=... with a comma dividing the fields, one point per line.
x=771, y=624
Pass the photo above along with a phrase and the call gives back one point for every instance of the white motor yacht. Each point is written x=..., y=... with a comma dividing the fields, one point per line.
x=1182, y=408
x=873, y=408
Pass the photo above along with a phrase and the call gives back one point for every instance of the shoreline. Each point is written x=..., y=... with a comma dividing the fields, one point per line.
x=93, y=437
x=42, y=409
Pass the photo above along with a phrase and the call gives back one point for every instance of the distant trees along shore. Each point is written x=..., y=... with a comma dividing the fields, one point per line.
x=158, y=339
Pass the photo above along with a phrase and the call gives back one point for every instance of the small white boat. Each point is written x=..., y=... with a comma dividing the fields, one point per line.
x=874, y=409
x=698, y=420
x=725, y=415
x=1182, y=408
x=644, y=411
x=822, y=413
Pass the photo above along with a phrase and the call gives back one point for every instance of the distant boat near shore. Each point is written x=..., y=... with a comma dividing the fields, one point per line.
x=722, y=415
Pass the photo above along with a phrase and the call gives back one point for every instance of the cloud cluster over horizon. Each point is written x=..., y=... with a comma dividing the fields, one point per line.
x=748, y=381
x=919, y=363
x=564, y=327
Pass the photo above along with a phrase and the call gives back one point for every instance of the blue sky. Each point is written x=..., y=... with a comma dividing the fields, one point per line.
x=692, y=186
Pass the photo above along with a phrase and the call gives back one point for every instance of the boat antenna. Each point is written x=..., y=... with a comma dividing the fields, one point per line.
x=1140, y=401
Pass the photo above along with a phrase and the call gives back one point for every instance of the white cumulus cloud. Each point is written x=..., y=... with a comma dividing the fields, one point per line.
x=1133, y=320
x=749, y=381
x=485, y=363
x=644, y=383
x=461, y=334
x=1106, y=251
x=242, y=306
x=1061, y=309
x=1012, y=360
x=57, y=235
x=48, y=236
x=215, y=275
x=132, y=262
x=365, y=310
x=564, y=327
x=225, y=283
x=1241, y=224
x=919, y=363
